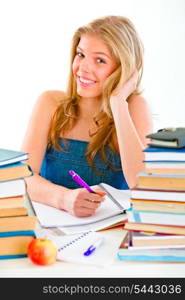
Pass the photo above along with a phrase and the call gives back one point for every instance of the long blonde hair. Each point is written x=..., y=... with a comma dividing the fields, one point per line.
x=120, y=35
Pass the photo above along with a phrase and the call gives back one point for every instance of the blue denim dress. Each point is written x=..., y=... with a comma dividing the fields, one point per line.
x=56, y=166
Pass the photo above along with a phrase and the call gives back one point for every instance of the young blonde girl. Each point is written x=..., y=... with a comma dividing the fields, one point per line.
x=97, y=127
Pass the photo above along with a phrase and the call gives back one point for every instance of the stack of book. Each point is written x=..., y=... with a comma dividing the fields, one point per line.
x=156, y=220
x=17, y=219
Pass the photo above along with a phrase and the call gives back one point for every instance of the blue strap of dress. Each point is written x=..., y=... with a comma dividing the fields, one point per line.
x=56, y=166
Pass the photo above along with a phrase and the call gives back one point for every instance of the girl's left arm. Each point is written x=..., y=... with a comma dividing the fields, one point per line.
x=133, y=121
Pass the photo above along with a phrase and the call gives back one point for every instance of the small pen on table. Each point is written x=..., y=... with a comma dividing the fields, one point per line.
x=93, y=247
x=80, y=181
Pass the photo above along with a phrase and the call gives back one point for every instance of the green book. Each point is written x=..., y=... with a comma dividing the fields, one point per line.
x=11, y=156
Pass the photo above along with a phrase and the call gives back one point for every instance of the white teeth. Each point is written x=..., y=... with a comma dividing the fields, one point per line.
x=86, y=81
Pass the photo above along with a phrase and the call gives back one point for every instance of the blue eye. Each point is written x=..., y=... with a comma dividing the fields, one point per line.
x=101, y=61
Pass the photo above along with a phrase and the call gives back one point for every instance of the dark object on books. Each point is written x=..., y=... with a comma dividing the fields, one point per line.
x=15, y=171
x=168, y=137
x=14, y=244
x=10, y=156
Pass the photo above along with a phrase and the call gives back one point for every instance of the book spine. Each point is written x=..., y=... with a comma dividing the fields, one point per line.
x=17, y=233
x=12, y=256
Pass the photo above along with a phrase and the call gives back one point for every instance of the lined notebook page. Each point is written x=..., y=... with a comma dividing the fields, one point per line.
x=51, y=217
x=72, y=247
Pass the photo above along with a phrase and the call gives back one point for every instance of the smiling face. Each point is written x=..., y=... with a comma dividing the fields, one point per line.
x=92, y=65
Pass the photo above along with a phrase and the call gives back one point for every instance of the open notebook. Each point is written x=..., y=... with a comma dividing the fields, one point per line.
x=71, y=248
x=116, y=203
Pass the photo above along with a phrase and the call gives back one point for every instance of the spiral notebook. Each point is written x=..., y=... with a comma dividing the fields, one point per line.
x=71, y=248
x=116, y=203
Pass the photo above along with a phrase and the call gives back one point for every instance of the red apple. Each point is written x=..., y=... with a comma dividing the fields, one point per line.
x=42, y=251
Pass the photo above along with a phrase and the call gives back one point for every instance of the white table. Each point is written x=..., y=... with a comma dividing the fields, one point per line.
x=119, y=269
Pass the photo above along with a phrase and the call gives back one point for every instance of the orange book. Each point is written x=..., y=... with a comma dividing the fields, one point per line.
x=160, y=181
x=11, y=202
x=165, y=229
x=165, y=171
x=15, y=171
x=157, y=205
x=14, y=244
x=17, y=211
x=18, y=223
x=144, y=239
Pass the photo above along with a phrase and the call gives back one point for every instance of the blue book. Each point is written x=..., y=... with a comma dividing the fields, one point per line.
x=164, y=154
x=11, y=156
x=155, y=217
x=14, y=244
x=127, y=252
x=173, y=255
x=17, y=233
x=13, y=256
x=164, y=149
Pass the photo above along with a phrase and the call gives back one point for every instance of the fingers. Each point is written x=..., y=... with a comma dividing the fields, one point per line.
x=84, y=212
x=90, y=204
x=94, y=197
x=100, y=192
x=81, y=203
x=87, y=203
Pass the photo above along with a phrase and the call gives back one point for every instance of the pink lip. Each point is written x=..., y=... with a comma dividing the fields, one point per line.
x=86, y=78
x=84, y=84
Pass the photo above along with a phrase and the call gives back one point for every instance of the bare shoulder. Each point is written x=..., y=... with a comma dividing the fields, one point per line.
x=136, y=100
x=50, y=99
x=138, y=104
x=141, y=115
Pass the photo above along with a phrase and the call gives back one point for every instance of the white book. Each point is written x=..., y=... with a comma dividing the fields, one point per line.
x=12, y=188
x=116, y=203
x=165, y=165
x=161, y=195
x=133, y=248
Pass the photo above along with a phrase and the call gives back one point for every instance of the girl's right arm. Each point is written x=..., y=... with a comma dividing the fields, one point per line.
x=35, y=142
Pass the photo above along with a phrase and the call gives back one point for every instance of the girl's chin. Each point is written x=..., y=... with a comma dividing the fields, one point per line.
x=88, y=94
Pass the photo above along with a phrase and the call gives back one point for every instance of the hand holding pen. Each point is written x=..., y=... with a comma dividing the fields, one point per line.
x=82, y=202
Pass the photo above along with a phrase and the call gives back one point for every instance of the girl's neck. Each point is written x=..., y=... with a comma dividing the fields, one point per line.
x=89, y=107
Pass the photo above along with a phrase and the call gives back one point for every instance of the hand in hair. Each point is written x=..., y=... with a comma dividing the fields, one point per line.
x=81, y=203
x=122, y=93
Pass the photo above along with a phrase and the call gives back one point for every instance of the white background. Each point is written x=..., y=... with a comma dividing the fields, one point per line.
x=35, y=40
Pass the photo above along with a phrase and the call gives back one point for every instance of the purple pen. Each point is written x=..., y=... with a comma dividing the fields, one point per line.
x=93, y=247
x=80, y=181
